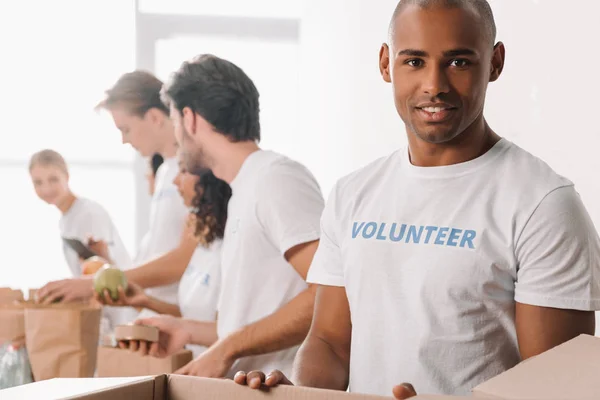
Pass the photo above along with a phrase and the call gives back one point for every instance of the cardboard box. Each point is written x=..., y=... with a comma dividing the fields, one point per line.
x=568, y=372
x=115, y=362
x=136, y=332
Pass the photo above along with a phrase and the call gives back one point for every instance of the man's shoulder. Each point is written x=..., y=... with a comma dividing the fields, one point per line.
x=528, y=170
x=356, y=180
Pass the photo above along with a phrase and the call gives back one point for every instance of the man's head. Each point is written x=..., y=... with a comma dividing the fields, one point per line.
x=138, y=112
x=213, y=104
x=440, y=58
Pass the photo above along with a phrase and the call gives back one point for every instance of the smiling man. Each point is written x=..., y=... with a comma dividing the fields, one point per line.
x=446, y=263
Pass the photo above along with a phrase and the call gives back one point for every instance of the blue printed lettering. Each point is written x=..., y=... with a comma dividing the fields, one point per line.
x=412, y=233
x=398, y=238
x=454, y=236
x=380, y=235
x=441, y=236
x=372, y=233
x=468, y=239
x=430, y=230
x=356, y=229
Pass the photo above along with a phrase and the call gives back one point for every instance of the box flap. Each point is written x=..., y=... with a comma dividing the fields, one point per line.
x=79, y=388
x=191, y=388
x=568, y=371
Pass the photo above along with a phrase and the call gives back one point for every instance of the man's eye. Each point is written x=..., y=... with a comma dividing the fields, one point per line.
x=460, y=63
x=414, y=62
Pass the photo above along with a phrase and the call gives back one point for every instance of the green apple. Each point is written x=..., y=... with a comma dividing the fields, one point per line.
x=109, y=278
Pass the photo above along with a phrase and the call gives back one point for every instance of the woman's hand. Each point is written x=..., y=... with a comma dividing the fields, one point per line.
x=133, y=297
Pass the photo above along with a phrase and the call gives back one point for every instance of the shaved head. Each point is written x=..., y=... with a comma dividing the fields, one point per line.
x=480, y=7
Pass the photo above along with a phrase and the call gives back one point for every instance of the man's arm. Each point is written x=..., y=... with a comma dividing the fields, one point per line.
x=541, y=328
x=166, y=269
x=323, y=361
x=287, y=326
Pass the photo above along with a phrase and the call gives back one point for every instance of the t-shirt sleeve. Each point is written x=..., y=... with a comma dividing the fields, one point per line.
x=327, y=266
x=558, y=254
x=289, y=206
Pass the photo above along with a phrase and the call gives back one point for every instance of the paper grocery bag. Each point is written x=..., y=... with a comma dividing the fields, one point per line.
x=12, y=319
x=12, y=322
x=9, y=296
x=62, y=340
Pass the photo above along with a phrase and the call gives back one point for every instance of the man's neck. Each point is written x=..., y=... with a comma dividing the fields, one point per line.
x=65, y=205
x=231, y=158
x=168, y=147
x=472, y=143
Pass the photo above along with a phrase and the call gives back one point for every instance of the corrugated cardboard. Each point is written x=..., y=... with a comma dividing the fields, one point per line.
x=115, y=362
x=568, y=371
x=136, y=332
x=86, y=388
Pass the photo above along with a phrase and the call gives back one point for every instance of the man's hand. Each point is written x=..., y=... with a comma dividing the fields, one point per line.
x=66, y=290
x=134, y=297
x=173, y=336
x=213, y=363
x=257, y=380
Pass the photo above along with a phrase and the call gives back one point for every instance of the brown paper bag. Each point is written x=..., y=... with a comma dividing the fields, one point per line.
x=9, y=296
x=62, y=340
x=12, y=316
x=12, y=323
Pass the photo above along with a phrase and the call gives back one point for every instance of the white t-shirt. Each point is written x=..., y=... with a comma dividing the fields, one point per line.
x=86, y=219
x=276, y=205
x=199, y=287
x=434, y=259
x=168, y=216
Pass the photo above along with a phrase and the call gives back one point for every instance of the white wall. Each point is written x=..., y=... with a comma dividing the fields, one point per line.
x=545, y=100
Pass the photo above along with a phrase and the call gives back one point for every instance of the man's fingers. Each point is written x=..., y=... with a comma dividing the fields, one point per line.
x=183, y=370
x=277, y=378
x=240, y=378
x=153, y=350
x=134, y=345
x=404, y=391
x=122, y=295
x=255, y=379
x=143, y=350
x=123, y=345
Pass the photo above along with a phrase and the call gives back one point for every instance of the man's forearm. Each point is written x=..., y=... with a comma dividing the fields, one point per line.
x=318, y=365
x=164, y=270
x=285, y=328
x=201, y=332
x=162, y=307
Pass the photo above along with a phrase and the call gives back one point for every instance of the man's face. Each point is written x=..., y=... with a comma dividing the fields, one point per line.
x=135, y=130
x=191, y=146
x=439, y=62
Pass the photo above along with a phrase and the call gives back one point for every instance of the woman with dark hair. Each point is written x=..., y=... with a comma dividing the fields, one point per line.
x=207, y=198
x=155, y=161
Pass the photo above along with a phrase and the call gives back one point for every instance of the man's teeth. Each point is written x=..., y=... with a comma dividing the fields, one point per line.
x=433, y=109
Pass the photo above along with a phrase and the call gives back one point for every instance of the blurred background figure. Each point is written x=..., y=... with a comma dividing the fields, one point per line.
x=82, y=219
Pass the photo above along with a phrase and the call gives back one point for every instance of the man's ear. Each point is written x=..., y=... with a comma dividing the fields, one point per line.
x=156, y=116
x=498, y=57
x=384, y=62
x=189, y=121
